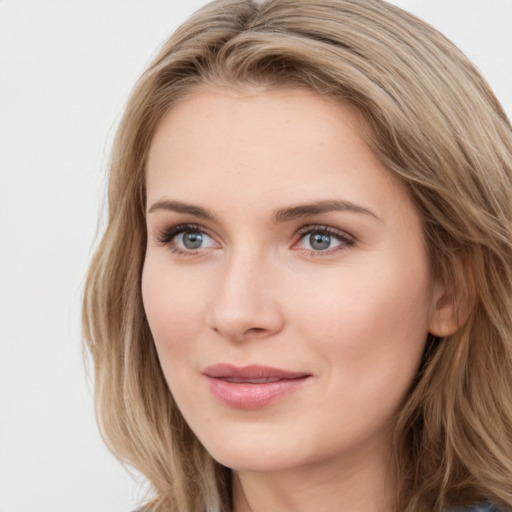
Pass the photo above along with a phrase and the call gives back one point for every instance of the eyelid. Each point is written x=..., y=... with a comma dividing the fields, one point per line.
x=346, y=240
x=165, y=236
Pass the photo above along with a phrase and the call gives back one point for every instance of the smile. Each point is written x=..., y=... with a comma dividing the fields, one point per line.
x=252, y=387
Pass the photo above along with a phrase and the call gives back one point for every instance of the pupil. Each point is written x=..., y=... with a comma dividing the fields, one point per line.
x=320, y=241
x=192, y=240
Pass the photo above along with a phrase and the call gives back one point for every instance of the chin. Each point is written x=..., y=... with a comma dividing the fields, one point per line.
x=254, y=456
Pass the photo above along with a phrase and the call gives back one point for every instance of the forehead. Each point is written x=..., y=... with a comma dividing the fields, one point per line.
x=279, y=144
x=253, y=117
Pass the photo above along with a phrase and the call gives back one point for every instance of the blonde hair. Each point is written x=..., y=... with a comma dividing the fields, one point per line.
x=433, y=121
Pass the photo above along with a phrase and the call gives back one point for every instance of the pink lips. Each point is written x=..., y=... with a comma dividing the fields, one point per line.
x=251, y=387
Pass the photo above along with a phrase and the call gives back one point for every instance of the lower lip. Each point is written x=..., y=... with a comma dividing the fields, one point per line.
x=242, y=395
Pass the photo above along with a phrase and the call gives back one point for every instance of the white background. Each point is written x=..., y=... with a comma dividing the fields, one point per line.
x=66, y=67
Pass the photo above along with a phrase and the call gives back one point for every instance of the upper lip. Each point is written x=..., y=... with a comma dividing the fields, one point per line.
x=250, y=372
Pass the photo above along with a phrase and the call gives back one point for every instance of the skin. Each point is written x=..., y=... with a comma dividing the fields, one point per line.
x=354, y=316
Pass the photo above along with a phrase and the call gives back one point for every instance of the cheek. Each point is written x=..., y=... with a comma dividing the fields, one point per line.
x=174, y=303
x=369, y=326
x=367, y=335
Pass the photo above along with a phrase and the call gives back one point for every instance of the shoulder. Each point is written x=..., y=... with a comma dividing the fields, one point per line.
x=482, y=507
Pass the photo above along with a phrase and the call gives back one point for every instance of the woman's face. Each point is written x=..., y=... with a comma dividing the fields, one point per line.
x=286, y=281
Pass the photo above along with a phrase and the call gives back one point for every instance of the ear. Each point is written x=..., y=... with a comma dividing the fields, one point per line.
x=451, y=304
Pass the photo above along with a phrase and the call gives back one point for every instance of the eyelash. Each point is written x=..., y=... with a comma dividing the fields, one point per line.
x=346, y=240
x=165, y=237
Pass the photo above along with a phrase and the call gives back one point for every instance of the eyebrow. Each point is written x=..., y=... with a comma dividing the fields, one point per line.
x=318, y=207
x=280, y=216
x=179, y=207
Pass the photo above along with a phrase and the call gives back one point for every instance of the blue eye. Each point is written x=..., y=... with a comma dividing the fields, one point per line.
x=324, y=239
x=186, y=239
x=320, y=241
x=190, y=239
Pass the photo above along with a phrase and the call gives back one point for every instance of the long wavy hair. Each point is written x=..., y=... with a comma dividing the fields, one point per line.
x=433, y=121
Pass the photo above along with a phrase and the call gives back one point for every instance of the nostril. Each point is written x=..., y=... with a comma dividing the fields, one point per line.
x=255, y=330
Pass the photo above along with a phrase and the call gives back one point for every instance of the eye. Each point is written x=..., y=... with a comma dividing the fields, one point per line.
x=323, y=239
x=186, y=239
x=192, y=240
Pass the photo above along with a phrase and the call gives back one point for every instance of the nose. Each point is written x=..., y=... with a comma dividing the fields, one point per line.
x=244, y=304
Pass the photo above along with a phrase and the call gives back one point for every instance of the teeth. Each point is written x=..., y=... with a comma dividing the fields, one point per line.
x=252, y=381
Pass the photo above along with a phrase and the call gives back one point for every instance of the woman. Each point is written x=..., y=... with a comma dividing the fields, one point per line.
x=302, y=298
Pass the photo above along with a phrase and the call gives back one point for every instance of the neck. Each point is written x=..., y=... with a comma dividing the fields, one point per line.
x=359, y=486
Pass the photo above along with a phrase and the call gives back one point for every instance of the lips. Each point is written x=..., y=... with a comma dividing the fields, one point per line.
x=252, y=387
